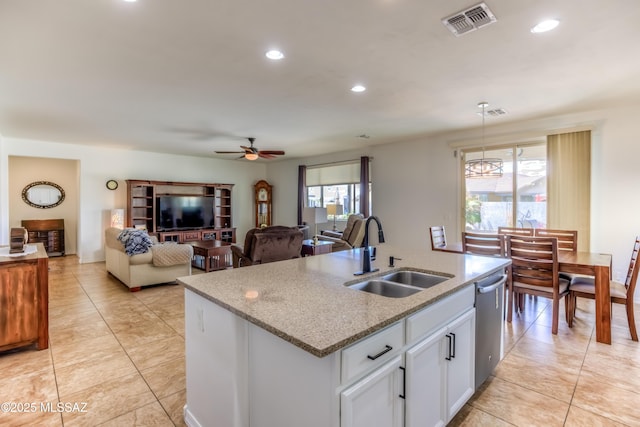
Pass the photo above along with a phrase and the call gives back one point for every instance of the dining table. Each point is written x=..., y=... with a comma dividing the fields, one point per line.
x=580, y=262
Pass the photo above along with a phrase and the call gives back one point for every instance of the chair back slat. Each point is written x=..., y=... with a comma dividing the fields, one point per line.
x=516, y=231
x=438, y=237
x=567, y=239
x=483, y=244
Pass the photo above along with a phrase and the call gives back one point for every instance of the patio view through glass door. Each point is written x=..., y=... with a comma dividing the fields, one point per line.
x=518, y=198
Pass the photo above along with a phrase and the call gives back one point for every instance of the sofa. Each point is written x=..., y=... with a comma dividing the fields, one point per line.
x=161, y=263
x=268, y=244
x=350, y=238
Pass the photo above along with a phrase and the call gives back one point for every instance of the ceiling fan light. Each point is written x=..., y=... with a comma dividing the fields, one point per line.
x=251, y=156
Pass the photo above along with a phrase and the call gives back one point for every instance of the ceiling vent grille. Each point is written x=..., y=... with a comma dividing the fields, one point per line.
x=469, y=20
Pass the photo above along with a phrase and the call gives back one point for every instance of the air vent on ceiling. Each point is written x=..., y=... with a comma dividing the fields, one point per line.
x=468, y=20
x=493, y=113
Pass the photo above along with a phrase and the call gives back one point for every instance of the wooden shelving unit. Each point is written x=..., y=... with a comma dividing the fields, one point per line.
x=49, y=232
x=141, y=209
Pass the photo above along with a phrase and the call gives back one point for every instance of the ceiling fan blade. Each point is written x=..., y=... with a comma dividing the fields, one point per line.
x=248, y=149
x=272, y=152
x=229, y=152
x=266, y=156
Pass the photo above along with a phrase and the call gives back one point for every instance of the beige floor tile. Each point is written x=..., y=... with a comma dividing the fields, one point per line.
x=472, y=417
x=156, y=352
x=91, y=372
x=580, y=418
x=551, y=379
x=174, y=405
x=530, y=347
x=93, y=327
x=518, y=405
x=607, y=400
x=108, y=400
x=145, y=333
x=27, y=361
x=29, y=419
x=166, y=378
x=91, y=348
x=149, y=415
x=176, y=323
x=39, y=386
x=67, y=316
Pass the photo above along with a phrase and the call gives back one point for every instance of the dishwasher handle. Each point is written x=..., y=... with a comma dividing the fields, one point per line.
x=493, y=286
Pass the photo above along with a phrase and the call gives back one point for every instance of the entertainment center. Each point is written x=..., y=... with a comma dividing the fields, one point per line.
x=181, y=211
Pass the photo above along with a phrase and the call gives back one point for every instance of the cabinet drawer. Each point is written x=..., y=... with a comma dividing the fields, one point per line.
x=372, y=351
x=189, y=236
x=439, y=313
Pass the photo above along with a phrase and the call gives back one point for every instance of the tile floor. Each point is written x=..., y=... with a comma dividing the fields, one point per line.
x=123, y=354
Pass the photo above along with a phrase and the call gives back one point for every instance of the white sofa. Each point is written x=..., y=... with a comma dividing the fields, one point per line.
x=163, y=263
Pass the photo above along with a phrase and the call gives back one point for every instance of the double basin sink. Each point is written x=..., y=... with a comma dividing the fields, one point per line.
x=400, y=284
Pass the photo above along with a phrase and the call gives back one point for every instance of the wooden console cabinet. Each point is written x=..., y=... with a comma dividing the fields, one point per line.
x=142, y=208
x=49, y=232
x=24, y=298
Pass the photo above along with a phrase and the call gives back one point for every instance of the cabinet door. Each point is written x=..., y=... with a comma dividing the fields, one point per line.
x=425, y=379
x=375, y=400
x=461, y=368
x=19, y=304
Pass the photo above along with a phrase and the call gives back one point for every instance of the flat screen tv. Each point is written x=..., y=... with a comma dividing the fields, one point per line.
x=184, y=212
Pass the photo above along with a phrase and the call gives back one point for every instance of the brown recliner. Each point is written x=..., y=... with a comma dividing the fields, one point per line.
x=268, y=244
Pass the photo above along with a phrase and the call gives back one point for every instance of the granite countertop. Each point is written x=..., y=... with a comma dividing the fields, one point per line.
x=305, y=301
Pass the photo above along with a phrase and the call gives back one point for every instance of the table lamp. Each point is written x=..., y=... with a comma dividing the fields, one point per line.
x=334, y=210
x=314, y=215
x=117, y=218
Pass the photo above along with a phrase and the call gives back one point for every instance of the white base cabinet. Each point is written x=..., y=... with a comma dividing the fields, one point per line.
x=440, y=373
x=239, y=375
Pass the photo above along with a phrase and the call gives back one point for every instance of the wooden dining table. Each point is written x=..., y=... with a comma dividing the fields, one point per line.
x=589, y=263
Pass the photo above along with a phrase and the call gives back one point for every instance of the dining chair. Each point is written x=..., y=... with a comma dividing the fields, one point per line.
x=621, y=293
x=534, y=271
x=438, y=237
x=483, y=243
x=516, y=231
x=567, y=239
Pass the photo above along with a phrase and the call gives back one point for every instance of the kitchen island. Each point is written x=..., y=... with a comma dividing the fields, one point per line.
x=284, y=343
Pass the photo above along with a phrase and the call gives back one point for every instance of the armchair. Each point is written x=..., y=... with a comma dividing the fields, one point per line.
x=268, y=244
x=350, y=238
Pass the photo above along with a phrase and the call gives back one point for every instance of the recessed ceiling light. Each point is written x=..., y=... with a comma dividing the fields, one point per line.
x=274, y=54
x=358, y=88
x=545, y=26
x=131, y=1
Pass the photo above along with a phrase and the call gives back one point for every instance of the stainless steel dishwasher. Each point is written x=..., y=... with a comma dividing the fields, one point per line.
x=489, y=324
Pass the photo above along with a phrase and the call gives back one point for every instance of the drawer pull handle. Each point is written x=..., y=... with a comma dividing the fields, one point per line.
x=387, y=349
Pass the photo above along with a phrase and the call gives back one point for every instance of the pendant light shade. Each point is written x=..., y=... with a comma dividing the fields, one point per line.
x=484, y=167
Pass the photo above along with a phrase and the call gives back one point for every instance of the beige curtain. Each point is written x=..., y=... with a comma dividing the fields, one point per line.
x=569, y=184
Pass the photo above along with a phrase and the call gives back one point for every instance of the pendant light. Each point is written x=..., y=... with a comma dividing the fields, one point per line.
x=484, y=167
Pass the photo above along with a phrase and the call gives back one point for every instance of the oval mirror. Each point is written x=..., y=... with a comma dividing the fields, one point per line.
x=43, y=194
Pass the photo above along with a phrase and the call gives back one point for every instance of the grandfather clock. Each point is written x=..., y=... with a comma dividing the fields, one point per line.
x=263, y=203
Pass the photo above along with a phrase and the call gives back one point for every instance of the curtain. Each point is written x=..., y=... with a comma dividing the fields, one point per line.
x=569, y=184
x=302, y=186
x=364, y=186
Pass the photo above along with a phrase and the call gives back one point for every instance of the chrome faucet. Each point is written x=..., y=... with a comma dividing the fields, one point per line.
x=366, y=253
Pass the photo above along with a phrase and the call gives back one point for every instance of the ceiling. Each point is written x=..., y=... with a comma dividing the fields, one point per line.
x=190, y=77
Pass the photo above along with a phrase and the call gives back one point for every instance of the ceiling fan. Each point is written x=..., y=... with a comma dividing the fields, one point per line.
x=252, y=153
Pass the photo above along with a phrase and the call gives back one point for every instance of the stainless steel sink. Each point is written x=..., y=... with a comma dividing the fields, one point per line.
x=399, y=284
x=415, y=278
x=385, y=288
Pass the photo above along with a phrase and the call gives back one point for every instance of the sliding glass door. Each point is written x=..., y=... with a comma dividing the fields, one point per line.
x=517, y=197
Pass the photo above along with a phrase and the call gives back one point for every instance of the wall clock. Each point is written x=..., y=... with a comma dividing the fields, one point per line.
x=112, y=184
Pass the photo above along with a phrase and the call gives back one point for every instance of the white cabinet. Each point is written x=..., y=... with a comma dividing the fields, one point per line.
x=440, y=373
x=376, y=399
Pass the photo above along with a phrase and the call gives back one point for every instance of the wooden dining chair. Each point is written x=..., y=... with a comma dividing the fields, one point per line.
x=483, y=244
x=534, y=271
x=567, y=239
x=621, y=293
x=438, y=237
x=516, y=231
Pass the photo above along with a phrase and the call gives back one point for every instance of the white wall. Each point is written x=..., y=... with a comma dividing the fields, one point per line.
x=97, y=165
x=415, y=183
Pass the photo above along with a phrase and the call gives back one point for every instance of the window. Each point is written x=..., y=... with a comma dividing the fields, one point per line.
x=516, y=199
x=335, y=184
